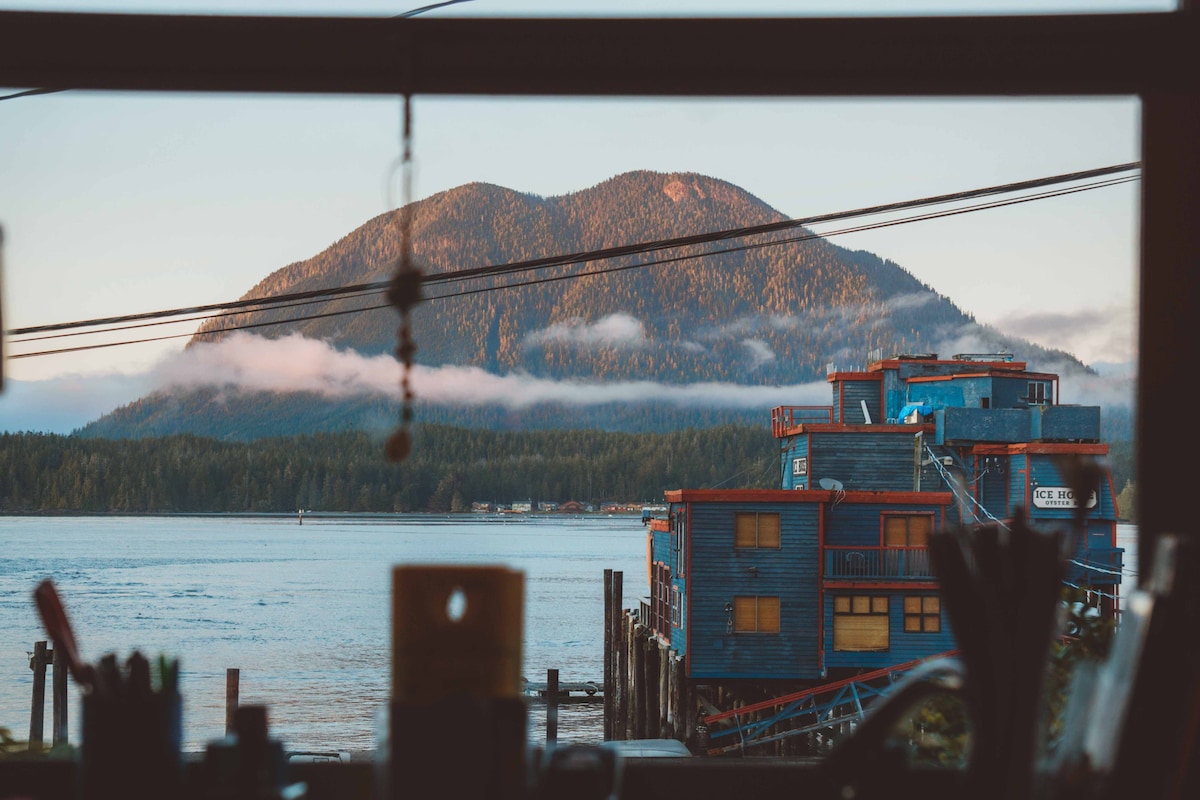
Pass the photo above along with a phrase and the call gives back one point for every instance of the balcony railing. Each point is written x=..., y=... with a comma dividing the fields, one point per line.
x=784, y=418
x=878, y=563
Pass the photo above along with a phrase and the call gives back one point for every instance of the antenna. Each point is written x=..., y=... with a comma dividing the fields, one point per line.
x=830, y=484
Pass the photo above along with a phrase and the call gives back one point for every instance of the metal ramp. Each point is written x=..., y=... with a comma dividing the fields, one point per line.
x=819, y=708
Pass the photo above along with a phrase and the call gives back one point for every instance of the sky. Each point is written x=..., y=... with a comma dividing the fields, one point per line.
x=116, y=203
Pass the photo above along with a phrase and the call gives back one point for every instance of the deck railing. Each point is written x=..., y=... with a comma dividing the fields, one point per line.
x=784, y=418
x=869, y=563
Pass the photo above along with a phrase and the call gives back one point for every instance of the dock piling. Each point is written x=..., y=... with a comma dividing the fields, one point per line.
x=552, y=706
x=37, y=712
x=232, y=680
x=609, y=657
x=59, y=692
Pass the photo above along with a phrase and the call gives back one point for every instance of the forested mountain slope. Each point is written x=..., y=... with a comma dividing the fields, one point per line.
x=765, y=316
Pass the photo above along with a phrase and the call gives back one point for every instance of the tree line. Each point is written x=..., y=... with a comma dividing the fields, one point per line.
x=448, y=469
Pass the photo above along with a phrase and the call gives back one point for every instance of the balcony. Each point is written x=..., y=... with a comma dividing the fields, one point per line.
x=878, y=563
x=785, y=418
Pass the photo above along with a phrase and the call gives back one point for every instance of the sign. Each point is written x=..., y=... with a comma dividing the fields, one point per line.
x=800, y=465
x=1059, y=497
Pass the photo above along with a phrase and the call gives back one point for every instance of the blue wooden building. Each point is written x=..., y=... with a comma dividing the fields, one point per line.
x=829, y=575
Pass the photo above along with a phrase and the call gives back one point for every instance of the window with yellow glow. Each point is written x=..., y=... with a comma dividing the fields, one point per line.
x=756, y=530
x=860, y=623
x=756, y=615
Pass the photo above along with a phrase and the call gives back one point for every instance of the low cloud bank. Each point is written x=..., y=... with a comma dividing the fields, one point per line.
x=1093, y=334
x=615, y=330
x=296, y=364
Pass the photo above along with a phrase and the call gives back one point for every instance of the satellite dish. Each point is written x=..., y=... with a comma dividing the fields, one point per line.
x=830, y=484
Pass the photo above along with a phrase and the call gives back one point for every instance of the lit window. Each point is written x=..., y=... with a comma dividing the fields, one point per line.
x=907, y=530
x=756, y=530
x=860, y=623
x=922, y=614
x=756, y=615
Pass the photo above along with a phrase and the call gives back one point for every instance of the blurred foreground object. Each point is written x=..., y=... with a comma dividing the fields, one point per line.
x=456, y=684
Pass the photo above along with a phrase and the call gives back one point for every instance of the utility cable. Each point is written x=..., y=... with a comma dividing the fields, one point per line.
x=603, y=253
x=361, y=291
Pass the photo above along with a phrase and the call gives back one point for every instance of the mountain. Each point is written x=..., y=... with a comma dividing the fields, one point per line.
x=774, y=313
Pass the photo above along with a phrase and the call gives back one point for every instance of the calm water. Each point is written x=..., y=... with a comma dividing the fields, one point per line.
x=302, y=611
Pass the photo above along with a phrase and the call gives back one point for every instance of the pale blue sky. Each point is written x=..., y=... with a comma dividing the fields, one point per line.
x=117, y=203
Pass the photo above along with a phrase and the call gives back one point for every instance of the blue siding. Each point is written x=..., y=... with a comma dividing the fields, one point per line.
x=837, y=404
x=993, y=486
x=938, y=394
x=1009, y=392
x=868, y=461
x=853, y=526
x=1016, y=481
x=1003, y=425
x=861, y=525
x=721, y=572
x=894, y=394
x=902, y=646
x=854, y=393
x=1067, y=423
x=1045, y=473
x=797, y=447
x=679, y=632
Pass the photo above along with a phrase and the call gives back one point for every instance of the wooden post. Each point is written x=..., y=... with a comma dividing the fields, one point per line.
x=37, y=711
x=232, y=677
x=615, y=600
x=622, y=699
x=630, y=683
x=609, y=655
x=58, y=706
x=650, y=679
x=664, y=692
x=637, y=706
x=551, y=706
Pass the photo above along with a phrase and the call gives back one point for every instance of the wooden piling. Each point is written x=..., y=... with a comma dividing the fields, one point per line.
x=552, y=706
x=664, y=657
x=58, y=705
x=623, y=688
x=232, y=679
x=37, y=711
x=637, y=682
x=617, y=599
x=609, y=658
x=650, y=679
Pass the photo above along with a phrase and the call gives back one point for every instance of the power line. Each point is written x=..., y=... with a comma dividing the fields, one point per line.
x=602, y=253
x=30, y=93
x=572, y=276
x=357, y=291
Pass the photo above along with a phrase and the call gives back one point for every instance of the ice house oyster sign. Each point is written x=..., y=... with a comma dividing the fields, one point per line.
x=1059, y=497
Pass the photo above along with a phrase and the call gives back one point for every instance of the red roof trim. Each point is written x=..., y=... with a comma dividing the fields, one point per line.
x=854, y=376
x=836, y=427
x=881, y=585
x=894, y=363
x=1040, y=449
x=805, y=496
